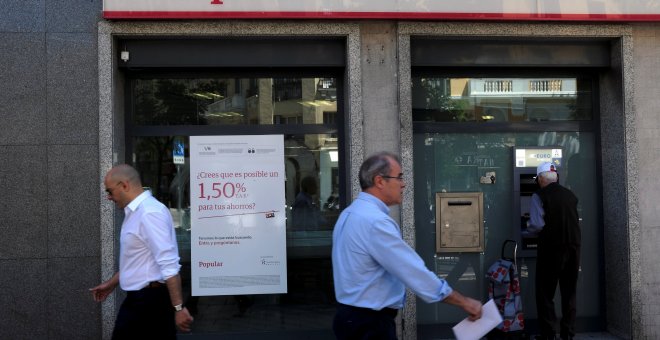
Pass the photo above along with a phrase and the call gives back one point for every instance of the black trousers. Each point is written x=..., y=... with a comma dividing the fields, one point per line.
x=146, y=314
x=559, y=265
x=355, y=323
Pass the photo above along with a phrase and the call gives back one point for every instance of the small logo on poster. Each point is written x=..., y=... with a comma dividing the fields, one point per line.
x=210, y=264
x=270, y=214
x=207, y=151
x=269, y=260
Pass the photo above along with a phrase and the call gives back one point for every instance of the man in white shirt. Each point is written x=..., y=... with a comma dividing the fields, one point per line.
x=148, y=263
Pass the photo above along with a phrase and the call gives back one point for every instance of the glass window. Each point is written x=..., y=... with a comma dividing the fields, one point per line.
x=161, y=108
x=455, y=162
x=234, y=101
x=501, y=99
x=455, y=149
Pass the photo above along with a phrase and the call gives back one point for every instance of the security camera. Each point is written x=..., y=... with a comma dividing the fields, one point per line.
x=124, y=56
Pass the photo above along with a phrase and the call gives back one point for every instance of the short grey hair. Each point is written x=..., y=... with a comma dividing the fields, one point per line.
x=377, y=164
x=549, y=175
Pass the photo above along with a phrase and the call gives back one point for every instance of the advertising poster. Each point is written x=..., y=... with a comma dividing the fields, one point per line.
x=238, y=230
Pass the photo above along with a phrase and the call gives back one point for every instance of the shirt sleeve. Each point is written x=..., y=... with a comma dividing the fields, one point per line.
x=536, y=213
x=399, y=259
x=159, y=235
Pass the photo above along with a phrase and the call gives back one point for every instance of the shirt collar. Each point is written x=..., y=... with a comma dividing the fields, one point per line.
x=374, y=200
x=135, y=203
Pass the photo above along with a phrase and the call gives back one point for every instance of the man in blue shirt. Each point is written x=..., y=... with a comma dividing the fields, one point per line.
x=372, y=264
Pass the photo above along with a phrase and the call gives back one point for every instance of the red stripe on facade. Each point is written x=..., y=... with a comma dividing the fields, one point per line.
x=377, y=15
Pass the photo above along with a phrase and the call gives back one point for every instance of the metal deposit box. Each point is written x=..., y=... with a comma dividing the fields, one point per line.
x=459, y=223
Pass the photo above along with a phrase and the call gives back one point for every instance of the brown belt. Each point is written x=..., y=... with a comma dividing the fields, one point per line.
x=154, y=284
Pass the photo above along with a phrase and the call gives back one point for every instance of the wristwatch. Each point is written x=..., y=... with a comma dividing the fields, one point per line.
x=178, y=307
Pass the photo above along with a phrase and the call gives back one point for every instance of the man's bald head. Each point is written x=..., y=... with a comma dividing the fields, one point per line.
x=125, y=172
x=123, y=184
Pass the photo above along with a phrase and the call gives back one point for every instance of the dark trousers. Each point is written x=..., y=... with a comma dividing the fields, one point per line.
x=557, y=265
x=146, y=314
x=355, y=323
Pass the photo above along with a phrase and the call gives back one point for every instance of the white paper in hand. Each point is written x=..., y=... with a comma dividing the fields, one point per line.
x=474, y=330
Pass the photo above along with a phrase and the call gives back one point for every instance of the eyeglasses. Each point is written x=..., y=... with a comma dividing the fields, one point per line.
x=109, y=191
x=400, y=177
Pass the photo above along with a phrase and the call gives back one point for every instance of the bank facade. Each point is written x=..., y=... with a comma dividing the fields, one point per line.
x=457, y=99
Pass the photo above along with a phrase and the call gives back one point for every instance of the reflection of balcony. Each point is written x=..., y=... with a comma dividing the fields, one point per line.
x=522, y=87
x=326, y=89
x=498, y=86
x=553, y=85
x=234, y=103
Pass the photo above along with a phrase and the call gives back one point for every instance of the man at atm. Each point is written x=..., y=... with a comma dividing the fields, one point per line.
x=554, y=217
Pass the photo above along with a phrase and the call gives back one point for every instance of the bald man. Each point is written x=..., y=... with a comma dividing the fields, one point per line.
x=148, y=263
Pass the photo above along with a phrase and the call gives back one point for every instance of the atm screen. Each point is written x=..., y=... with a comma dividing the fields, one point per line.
x=527, y=187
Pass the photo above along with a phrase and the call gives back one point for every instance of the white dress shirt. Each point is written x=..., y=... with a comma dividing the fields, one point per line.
x=148, y=249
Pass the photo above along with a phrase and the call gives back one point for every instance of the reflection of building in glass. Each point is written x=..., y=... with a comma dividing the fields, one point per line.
x=232, y=101
x=499, y=99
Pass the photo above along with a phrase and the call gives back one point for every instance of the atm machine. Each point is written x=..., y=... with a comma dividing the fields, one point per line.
x=526, y=159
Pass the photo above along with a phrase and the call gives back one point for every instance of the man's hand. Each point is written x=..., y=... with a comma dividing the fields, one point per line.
x=183, y=319
x=101, y=292
x=473, y=308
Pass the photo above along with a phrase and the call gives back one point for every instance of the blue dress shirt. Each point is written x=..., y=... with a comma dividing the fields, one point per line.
x=372, y=264
x=536, y=213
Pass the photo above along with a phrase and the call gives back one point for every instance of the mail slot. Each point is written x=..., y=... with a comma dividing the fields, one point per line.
x=459, y=223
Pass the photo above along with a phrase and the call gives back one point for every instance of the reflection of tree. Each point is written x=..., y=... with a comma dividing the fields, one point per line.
x=170, y=102
x=178, y=107
x=438, y=98
x=175, y=101
x=155, y=151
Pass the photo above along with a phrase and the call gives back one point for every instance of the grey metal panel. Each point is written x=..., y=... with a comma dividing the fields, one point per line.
x=25, y=287
x=66, y=289
x=73, y=16
x=23, y=215
x=19, y=16
x=73, y=201
x=234, y=52
x=509, y=53
x=72, y=88
x=22, y=88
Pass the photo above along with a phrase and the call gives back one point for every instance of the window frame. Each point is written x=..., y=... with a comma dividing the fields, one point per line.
x=339, y=128
x=591, y=125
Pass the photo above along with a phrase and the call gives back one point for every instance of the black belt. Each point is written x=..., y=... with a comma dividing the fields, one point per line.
x=151, y=288
x=389, y=312
x=154, y=284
